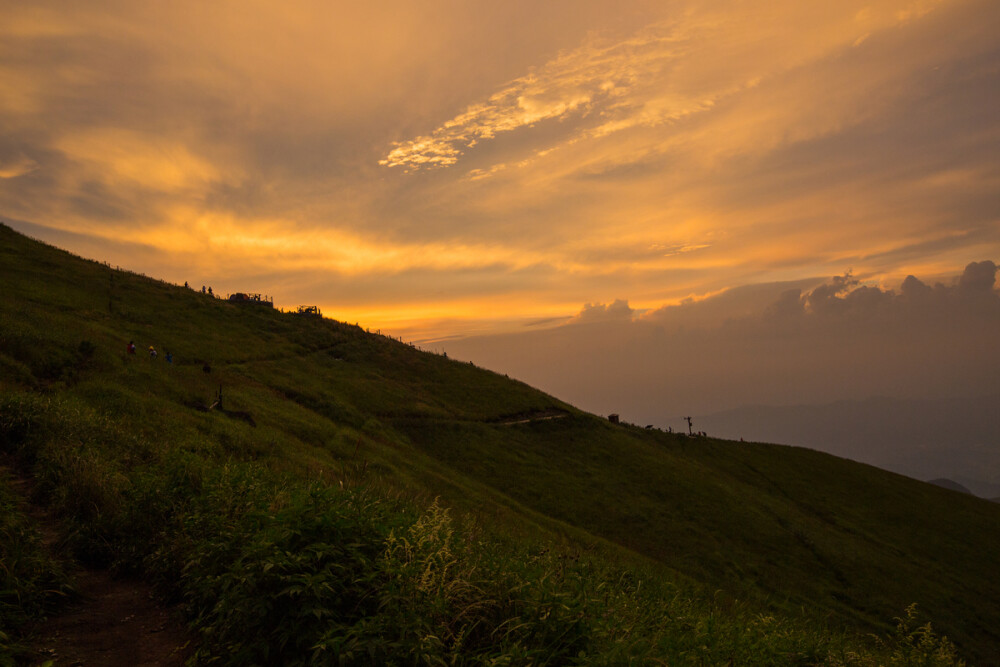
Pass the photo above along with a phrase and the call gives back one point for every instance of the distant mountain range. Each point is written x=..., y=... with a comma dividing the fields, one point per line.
x=949, y=484
x=957, y=439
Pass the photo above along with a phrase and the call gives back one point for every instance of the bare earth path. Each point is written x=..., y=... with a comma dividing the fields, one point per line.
x=111, y=622
x=114, y=623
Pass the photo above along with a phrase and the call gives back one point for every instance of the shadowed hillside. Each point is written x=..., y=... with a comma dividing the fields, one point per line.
x=255, y=397
x=925, y=439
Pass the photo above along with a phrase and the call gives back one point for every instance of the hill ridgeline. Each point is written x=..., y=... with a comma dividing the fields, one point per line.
x=310, y=492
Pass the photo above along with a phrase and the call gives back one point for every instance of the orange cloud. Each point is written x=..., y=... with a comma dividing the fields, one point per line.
x=127, y=157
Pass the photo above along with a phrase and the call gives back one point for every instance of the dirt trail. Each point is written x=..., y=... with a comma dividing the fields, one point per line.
x=534, y=416
x=110, y=622
x=115, y=623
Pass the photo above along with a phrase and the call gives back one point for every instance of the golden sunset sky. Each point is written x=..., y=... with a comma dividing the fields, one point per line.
x=443, y=168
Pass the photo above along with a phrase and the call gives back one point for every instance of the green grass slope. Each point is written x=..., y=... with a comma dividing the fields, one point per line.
x=803, y=534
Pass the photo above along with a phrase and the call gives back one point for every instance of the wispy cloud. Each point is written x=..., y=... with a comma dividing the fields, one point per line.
x=666, y=72
x=16, y=165
x=596, y=82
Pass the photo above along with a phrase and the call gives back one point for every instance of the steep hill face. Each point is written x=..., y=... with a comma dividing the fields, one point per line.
x=805, y=531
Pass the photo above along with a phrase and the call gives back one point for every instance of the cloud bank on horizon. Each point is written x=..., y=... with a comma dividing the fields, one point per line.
x=455, y=168
x=792, y=343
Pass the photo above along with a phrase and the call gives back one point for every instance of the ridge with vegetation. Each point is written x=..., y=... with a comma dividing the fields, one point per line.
x=314, y=493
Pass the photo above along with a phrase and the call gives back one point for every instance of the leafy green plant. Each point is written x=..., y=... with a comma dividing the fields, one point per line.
x=916, y=644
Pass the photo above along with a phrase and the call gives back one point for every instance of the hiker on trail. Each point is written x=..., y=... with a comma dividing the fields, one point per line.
x=131, y=347
x=152, y=352
x=170, y=358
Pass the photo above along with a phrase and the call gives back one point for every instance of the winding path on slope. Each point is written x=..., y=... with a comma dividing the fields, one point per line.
x=111, y=622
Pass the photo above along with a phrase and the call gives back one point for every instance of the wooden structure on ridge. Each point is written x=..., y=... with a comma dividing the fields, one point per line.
x=254, y=299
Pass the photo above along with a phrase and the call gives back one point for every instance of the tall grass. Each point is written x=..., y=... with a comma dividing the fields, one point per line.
x=32, y=582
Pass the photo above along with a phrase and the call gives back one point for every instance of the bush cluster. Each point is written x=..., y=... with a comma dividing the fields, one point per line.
x=276, y=572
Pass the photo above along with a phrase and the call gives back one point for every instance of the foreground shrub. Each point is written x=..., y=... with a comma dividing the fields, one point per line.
x=282, y=573
x=914, y=643
x=441, y=601
x=265, y=581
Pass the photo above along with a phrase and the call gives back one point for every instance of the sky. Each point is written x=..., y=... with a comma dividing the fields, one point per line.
x=483, y=177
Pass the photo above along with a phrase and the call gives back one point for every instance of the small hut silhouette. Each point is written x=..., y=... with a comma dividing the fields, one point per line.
x=253, y=299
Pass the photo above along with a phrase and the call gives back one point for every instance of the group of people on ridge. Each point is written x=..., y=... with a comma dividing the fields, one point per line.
x=152, y=352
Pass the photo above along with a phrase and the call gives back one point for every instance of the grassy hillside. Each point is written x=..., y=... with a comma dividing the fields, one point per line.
x=569, y=539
